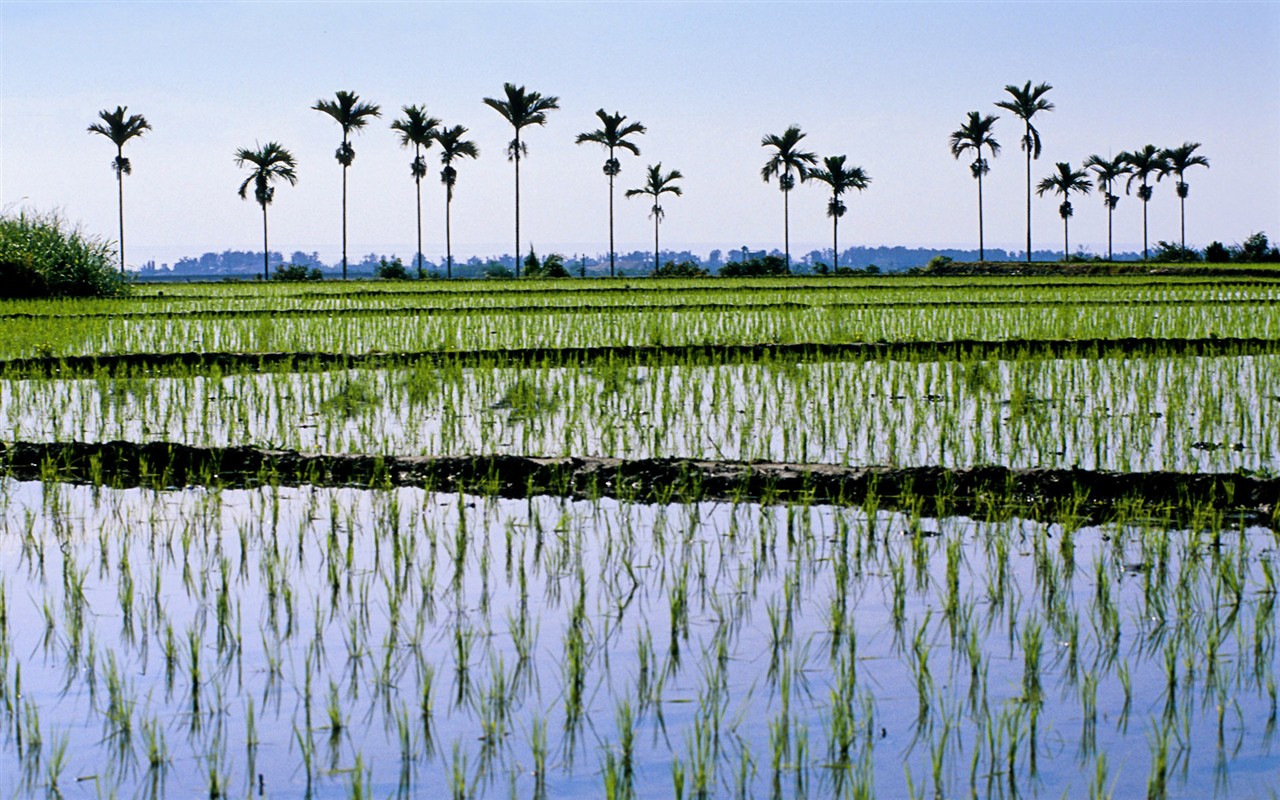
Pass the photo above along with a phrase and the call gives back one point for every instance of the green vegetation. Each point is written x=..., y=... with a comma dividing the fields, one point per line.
x=42, y=255
x=521, y=108
x=351, y=115
x=119, y=126
x=803, y=536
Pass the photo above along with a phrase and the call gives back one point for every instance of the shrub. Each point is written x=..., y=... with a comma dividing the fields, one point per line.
x=392, y=270
x=1172, y=251
x=769, y=266
x=938, y=263
x=1257, y=249
x=496, y=271
x=296, y=273
x=550, y=267
x=42, y=256
x=1217, y=253
x=685, y=269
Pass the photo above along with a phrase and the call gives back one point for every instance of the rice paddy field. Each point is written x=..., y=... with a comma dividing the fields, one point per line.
x=837, y=538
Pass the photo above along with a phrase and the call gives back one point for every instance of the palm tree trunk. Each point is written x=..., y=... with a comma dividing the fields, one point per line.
x=448, y=234
x=266, y=253
x=1110, y=211
x=1028, y=143
x=656, y=220
x=120, y=188
x=982, y=253
x=517, y=253
x=418, y=181
x=611, y=257
x=1066, y=242
x=344, y=222
x=1144, y=229
x=786, y=226
x=835, y=240
x=1182, y=202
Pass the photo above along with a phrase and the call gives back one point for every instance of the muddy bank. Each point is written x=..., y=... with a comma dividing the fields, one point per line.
x=156, y=364
x=1046, y=269
x=1040, y=493
x=619, y=308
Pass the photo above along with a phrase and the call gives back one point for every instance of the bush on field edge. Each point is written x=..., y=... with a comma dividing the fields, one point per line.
x=41, y=255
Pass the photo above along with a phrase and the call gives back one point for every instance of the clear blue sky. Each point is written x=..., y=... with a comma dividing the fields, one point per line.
x=884, y=83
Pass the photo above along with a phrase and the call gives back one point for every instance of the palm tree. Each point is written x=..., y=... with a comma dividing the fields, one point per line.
x=417, y=130
x=270, y=162
x=840, y=179
x=522, y=109
x=1105, y=173
x=785, y=159
x=655, y=186
x=119, y=129
x=975, y=135
x=1065, y=181
x=1026, y=102
x=1178, y=160
x=613, y=135
x=1142, y=165
x=352, y=115
x=452, y=146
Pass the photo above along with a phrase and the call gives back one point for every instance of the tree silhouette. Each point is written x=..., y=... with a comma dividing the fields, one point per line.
x=1106, y=172
x=1026, y=102
x=974, y=135
x=417, y=130
x=120, y=129
x=452, y=147
x=1142, y=165
x=786, y=159
x=841, y=179
x=270, y=162
x=655, y=186
x=521, y=108
x=1178, y=160
x=351, y=115
x=1065, y=181
x=613, y=135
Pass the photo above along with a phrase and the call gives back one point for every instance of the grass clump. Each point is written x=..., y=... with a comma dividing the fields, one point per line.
x=41, y=255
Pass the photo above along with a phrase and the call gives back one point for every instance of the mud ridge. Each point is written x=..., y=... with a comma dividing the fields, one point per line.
x=890, y=282
x=1040, y=493
x=616, y=308
x=957, y=349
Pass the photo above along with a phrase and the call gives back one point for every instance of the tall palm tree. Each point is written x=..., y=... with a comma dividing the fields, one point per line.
x=452, y=146
x=1065, y=181
x=613, y=135
x=1142, y=165
x=417, y=130
x=120, y=129
x=521, y=108
x=840, y=178
x=655, y=186
x=1025, y=103
x=786, y=159
x=974, y=135
x=270, y=162
x=1178, y=160
x=1106, y=172
x=351, y=115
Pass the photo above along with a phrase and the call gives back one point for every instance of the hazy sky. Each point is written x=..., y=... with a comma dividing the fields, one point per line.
x=884, y=83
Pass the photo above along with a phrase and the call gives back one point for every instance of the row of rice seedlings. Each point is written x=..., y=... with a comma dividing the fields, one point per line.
x=157, y=302
x=674, y=645
x=1189, y=414
x=500, y=330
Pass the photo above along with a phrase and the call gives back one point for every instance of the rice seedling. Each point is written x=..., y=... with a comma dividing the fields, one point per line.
x=958, y=630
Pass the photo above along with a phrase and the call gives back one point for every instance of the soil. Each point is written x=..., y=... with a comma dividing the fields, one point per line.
x=983, y=491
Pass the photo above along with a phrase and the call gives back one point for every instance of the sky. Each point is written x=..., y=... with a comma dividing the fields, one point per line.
x=883, y=83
